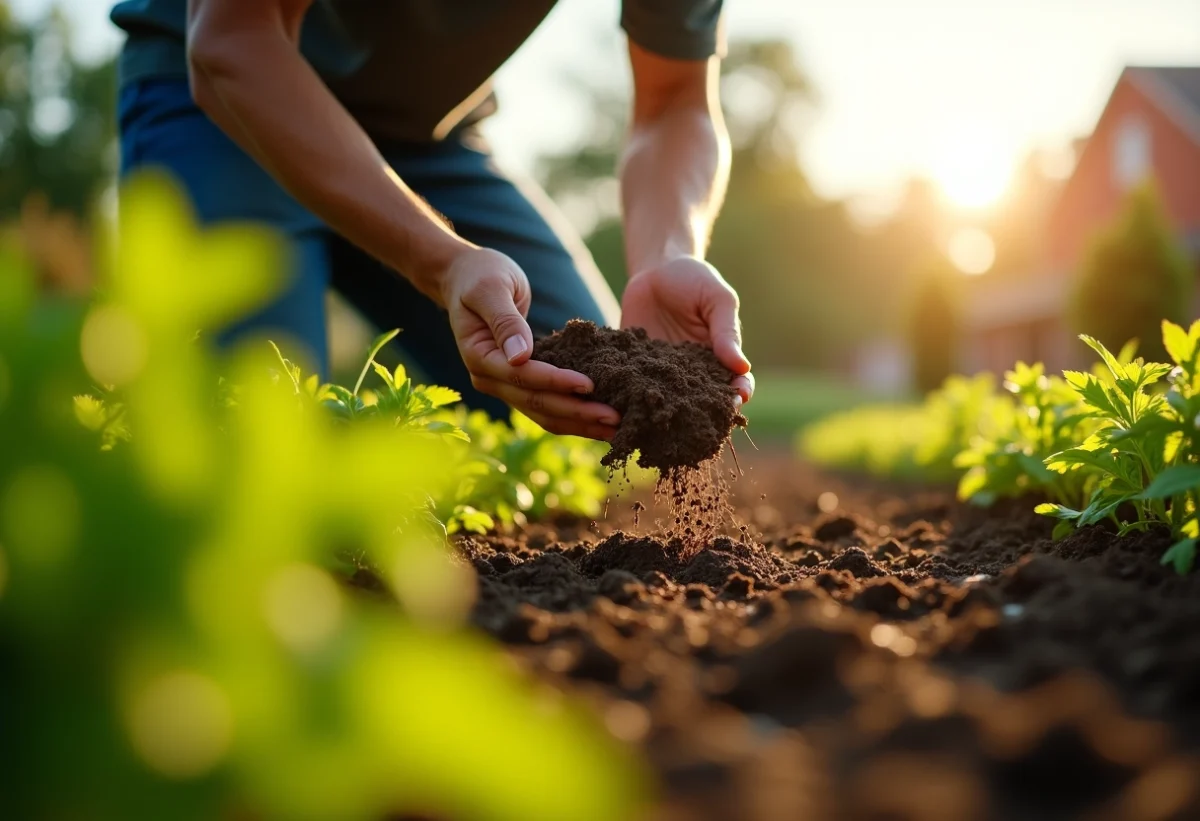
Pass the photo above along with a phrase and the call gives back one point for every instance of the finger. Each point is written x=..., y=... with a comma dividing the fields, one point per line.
x=726, y=333
x=571, y=427
x=745, y=386
x=549, y=404
x=535, y=376
x=495, y=303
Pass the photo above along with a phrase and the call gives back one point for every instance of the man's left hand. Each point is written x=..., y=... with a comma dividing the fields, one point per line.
x=687, y=299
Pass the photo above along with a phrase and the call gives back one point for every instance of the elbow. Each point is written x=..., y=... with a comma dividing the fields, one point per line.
x=209, y=60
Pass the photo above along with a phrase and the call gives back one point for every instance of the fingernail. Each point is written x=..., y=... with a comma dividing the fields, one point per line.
x=585, y=389
x=610, y=419
x=514, y=346
x=737, y=402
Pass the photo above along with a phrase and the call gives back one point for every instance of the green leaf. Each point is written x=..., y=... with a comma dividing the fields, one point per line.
x=449, y=430
x=1182, y=555
x=1110, y=361
x=1035, y=468
x=1062, y=529
x=1095, y=394
x=90, y=412
x=439, y=396
x=1172, y=481
x=1057, y=511
x=1179, y=346
x=471, y=520
x=382, y=373
x=972, y=482
x=1102, y=505
x=376, y=347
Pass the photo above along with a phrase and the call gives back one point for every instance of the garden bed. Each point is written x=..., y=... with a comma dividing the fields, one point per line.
x=864, y=652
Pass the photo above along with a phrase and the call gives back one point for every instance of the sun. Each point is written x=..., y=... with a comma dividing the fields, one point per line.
x=970, y=166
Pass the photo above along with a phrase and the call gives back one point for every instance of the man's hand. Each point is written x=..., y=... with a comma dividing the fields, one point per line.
x=487, y=296
x=687, y=299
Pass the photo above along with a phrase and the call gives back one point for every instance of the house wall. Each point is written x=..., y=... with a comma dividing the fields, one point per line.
x=1094, y=195
x=1090, y=200
x=1046, y=340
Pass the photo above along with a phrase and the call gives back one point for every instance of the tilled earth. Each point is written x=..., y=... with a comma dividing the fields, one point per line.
x=864, y=653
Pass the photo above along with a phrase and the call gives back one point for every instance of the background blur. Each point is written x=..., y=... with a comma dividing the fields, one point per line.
x=918, y=188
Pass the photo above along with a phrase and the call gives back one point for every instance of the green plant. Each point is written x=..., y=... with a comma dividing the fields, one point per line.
x=1143, y=455
x=174, y=644
x=1008, y=459
x=406, y=405
x=516, y=470
x=504, y=472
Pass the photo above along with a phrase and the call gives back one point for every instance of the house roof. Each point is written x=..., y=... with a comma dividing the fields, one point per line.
x=1175, y=89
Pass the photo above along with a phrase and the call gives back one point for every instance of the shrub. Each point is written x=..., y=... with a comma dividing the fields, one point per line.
x=1134, y=275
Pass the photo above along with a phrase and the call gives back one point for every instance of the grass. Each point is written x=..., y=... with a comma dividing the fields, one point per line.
x=786, y=401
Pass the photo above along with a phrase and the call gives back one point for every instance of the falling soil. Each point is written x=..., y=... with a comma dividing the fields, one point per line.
x=675, y=400
x=898, y=657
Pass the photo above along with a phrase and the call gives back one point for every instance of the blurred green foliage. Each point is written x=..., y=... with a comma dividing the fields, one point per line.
x=918, y=441
x=57, y=117
x=175, y=641
x=1134, y=275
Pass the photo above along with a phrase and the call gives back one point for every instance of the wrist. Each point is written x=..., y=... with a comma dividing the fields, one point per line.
x=678, y=259
x=641, y=256
x=431, y=261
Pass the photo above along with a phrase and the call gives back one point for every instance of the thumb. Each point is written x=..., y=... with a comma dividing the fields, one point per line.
x=725, y=330
x=496, y=304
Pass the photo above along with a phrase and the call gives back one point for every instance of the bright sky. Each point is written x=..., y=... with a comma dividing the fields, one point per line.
x=956, y=89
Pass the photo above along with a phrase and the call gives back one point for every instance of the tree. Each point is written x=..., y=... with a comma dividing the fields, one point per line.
x=934, y=323
x=1134, y=275
x=57, y=117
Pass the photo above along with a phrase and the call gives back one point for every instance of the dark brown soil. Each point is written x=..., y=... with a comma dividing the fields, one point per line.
x=899, y=657
x=675, y=401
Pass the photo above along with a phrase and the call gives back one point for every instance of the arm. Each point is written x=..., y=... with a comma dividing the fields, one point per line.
x=248, y=76
x=673, y=175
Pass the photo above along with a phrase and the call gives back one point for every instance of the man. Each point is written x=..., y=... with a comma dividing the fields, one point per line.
x=352, y=127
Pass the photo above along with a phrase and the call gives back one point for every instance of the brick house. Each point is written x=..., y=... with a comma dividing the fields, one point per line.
x=1150, y=127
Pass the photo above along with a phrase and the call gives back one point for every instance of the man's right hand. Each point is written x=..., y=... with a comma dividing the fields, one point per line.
x=488, y=296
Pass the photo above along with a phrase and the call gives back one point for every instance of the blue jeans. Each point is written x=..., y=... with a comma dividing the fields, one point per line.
x=160, y=126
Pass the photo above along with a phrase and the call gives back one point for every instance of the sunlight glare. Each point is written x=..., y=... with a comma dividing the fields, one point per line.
x=971, y=166
x=972, y=251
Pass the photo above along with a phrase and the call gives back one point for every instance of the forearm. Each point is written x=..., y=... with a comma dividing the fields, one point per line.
x=257, y=88
x=673, y=175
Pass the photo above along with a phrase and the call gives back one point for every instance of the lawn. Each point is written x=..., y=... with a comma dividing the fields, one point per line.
x=785, y=401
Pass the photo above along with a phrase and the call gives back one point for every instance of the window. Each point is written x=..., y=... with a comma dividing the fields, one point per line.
x=1131, y=152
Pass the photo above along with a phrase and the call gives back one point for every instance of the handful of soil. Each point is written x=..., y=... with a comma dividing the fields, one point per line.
x=675, y=400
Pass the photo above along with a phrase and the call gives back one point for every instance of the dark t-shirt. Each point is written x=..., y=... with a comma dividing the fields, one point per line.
x=415, y=69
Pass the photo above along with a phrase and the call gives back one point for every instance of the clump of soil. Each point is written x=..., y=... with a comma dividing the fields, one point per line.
x=675, y=400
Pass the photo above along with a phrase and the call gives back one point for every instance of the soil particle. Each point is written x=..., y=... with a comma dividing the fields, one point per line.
x=675, y=400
